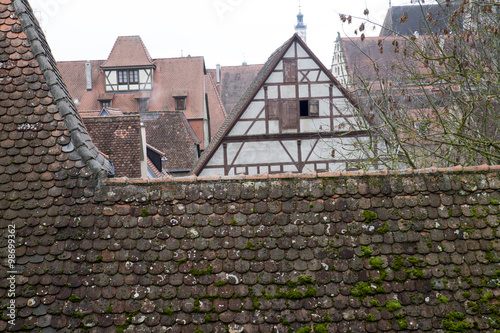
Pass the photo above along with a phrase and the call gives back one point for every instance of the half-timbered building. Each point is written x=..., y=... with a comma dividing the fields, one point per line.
x=295, y=117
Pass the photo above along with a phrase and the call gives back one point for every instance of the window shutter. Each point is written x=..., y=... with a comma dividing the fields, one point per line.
x=273, y=110
x=289, y=115
x=290, y=70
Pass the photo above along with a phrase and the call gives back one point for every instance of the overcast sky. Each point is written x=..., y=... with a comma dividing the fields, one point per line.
x=223, y=31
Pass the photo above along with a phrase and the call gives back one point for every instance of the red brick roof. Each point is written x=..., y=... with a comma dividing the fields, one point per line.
x=170, y=132
x=234, y=81
x=119, y=137
x=128, y=51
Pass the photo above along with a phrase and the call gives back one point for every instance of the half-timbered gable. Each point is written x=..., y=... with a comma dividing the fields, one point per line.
x=294, y=117
x=129, y=66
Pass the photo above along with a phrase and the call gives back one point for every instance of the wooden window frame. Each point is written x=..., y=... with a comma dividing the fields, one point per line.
x=178, y=105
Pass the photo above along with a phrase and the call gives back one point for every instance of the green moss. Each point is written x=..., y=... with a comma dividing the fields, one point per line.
x=363, y=289
x=305, y=329
x=402, y=324
x=305, y=280
x=374, y=302
x=393, y=305
x=78, y=315
x=369, y=216
x=376, y=262
x=200, y=272
x=442, y=299
x=454, y=322
x=182, y=261
x=220, y=283
x=197, y=330
x=249, y=246
x=168, y=311
x=327, y=319
x=234, y=222
x=366, y=251
x=320, y=328
x=383, y=229
x=74, y=299
x=370, y=318
x=414, y=261
x=98, y=259
x=466, y=294
x=494, y=202
x=310, y=292
x=144, y=212
x=109, y=309
x=397, y=264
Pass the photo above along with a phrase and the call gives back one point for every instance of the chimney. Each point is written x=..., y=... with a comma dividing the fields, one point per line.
x=217, y=71
x=88, y=75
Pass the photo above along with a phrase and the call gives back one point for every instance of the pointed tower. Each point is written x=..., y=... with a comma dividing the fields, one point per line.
x=301, y=28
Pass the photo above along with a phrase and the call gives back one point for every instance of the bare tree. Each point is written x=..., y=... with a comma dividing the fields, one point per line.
x=432, y=96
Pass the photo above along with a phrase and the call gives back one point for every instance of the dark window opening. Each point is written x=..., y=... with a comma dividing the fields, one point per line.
x=128, y=77
x=142, y=104
x=180, y=103
x=304, y=108
x=105, y=104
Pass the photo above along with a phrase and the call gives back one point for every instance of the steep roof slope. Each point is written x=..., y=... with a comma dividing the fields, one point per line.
x=28, y=48
x=252, y=90
x=128, y=51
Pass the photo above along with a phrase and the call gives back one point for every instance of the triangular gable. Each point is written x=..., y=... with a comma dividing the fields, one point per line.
x=128, y=51
x=272, y=72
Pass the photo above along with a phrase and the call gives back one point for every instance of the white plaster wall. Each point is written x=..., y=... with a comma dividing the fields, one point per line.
x=272, y=92
x=262, y=152
x=315, y=125
x=324, y=107
x=320, y=90
x=274, y=126
x=211, y=172
x=291, y=52
x=291, y=147
x=307, y=64
x=301, y=52
x=275, y=77
x=287, y=91
x=112, y=79
x=240, y=128
x=291, y=168
x=303, y=91
x=217, y=157
x=232, y=150
x=259, y=127
x=279, y=66
x=253, y=110
x=260, y=94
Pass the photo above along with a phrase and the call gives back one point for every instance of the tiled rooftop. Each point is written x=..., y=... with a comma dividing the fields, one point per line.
x=410, y=250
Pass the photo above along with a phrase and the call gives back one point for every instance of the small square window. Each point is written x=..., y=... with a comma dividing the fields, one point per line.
x=304, y=108
x=105, y=104
x=180, y=103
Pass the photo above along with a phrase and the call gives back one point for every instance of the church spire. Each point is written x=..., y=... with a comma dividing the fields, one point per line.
x=300, y=28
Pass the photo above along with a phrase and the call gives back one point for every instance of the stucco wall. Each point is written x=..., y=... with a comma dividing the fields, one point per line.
x=352, y=252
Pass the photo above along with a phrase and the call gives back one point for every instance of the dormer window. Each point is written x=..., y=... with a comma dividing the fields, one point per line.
x=128, y=76
x=180, y=103
x=180, y=99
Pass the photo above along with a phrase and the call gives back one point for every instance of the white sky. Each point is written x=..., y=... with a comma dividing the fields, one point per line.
x=223, y=31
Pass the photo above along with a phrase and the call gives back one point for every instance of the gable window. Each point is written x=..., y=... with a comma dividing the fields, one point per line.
x=122, y=77
x=180, y=103
x=105, y=104
x=128, y=76
x=304, y=108
x=309, y=108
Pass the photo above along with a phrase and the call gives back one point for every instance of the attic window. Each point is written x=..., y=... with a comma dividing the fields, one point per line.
x=304, y=108
x=128, y=76
x=180, y=103
x=309, y=108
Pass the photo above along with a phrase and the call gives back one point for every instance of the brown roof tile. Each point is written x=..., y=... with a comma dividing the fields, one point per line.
x=128, y=51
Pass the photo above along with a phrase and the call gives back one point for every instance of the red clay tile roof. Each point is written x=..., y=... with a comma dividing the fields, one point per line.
x=234, y=81
x=128, y=51
x=171, y=133
x=170, y=75
x=33, y=90
x=216, y=110
x=119, y=137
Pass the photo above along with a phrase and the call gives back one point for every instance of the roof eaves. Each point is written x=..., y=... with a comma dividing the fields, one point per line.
x=90, y=155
